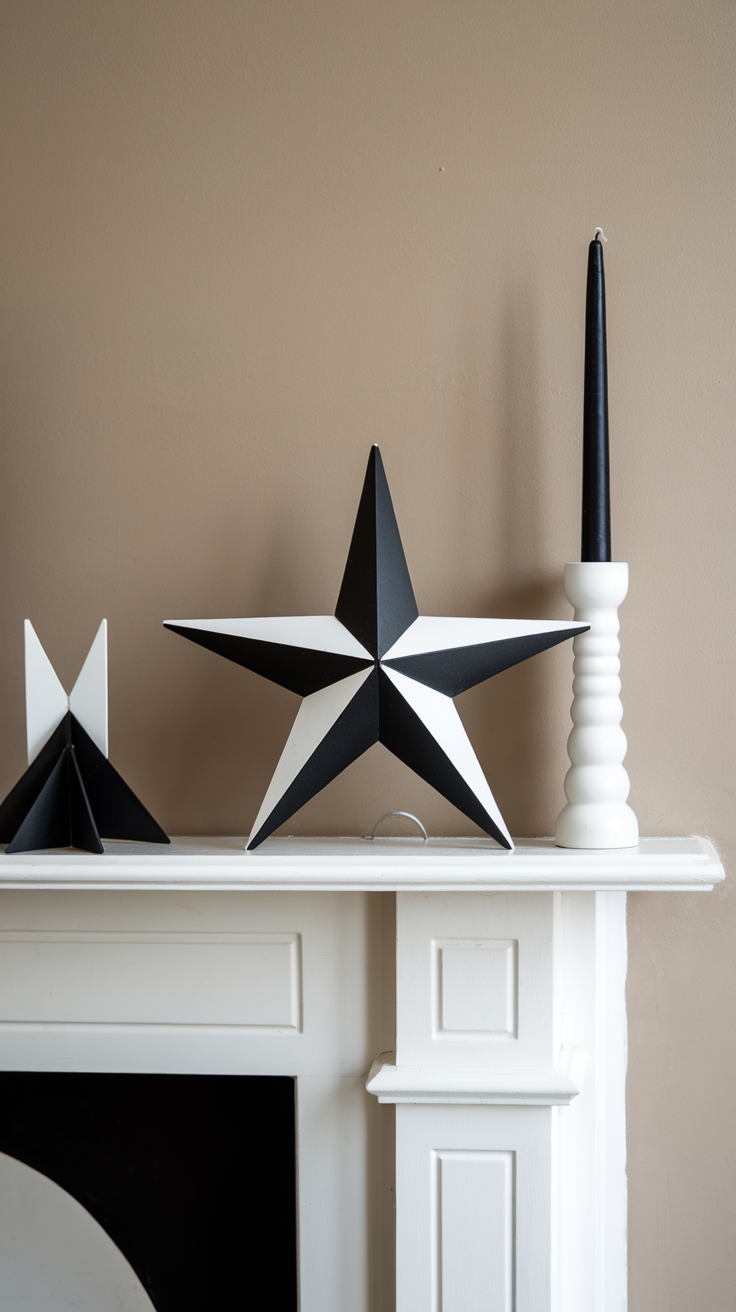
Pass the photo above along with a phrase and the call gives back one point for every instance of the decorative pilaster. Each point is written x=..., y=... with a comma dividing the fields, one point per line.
x=510, y=1155
x=597, y=785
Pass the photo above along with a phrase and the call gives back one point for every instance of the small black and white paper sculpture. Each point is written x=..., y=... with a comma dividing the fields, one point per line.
x=376, y=671
x=70, y=794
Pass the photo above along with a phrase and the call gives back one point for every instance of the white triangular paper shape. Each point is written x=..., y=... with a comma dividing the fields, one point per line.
x=315, y=717
x=88, y=697
x=46, y=701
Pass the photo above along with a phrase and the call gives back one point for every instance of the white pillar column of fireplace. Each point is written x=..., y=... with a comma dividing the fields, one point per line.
x=508, y=1071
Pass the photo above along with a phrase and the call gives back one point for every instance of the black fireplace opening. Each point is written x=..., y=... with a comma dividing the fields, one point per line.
x=193, y=1177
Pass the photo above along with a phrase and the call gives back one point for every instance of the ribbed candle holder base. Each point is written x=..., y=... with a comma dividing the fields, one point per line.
x=596, y=785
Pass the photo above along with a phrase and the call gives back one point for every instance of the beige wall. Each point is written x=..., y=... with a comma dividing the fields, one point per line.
x=244, y=240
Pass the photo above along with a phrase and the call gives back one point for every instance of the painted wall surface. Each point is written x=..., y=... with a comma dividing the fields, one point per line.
x=245, y=239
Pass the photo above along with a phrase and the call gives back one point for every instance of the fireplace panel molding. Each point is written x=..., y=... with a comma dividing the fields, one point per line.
x=240, y=981
x=454, y=1018
x=500, y=953
x=475, y=988
x=474, y=1229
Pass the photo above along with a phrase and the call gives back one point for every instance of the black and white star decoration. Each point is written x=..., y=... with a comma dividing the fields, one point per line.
x=70, y=794
x=377, y=671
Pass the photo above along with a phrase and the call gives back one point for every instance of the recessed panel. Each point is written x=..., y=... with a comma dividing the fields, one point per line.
x=157, y=978
x=476, y=972
x=475, y=988
x=474, y=1228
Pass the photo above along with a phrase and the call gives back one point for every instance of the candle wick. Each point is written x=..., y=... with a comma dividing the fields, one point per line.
x=603, y=235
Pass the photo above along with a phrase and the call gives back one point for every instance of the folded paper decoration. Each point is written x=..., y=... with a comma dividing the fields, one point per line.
x=377, y=671
x=70, y=794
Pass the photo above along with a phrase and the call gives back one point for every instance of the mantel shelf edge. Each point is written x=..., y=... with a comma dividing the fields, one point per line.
x=382, y=865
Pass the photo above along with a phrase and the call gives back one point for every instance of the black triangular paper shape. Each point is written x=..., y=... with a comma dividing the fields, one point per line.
x=48, y=822
x=115, y=807
x=376, y=602
x=82, y=825
x=454, y=670
x=402, y=731
x=350, y=736
x=69, y=795
x=20, y=799
x=276, y=661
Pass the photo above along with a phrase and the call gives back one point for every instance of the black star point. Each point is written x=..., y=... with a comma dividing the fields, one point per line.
x=377, y=671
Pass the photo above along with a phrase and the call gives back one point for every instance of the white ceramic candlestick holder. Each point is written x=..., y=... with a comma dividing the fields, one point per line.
x=597, y=785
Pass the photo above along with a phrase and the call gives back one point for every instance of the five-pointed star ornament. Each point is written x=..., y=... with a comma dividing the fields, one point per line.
x=376, y=671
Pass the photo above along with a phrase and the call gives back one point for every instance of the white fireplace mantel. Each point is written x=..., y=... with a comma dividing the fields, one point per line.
x=499, y=1044
x=375, y=865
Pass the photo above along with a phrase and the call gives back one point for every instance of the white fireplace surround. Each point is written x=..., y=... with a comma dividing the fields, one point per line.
x=454, y=1016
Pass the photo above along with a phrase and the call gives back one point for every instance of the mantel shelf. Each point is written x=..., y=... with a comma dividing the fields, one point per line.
x=383, y=864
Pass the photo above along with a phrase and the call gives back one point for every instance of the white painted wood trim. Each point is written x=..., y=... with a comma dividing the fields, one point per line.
x=505, y=1086
x=611, y=1058
x=380, y=865
x=97, y=1010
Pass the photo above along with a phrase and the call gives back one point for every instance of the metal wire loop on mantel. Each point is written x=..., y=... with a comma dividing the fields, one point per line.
x=407, y=816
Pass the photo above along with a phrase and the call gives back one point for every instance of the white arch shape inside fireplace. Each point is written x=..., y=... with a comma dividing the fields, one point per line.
x=54, y=1255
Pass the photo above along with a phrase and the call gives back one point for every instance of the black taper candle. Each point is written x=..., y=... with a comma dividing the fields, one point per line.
x=596, y=536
